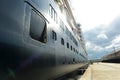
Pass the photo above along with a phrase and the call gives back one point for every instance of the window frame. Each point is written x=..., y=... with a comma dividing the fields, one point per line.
x=43, y=36
x=54, y=35
x=67, y=45
x=62, y=41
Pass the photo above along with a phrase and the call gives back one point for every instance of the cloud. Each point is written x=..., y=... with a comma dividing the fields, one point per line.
x=92, y=14
x=94, y=47
x=116, y=40
x=114, y=43
x=102, y=39
x=97, y=36
x=102, y=36
x=112, y=29
x=94, y=51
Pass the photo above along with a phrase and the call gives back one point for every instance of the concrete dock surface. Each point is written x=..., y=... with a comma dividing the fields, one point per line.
x=102, y=71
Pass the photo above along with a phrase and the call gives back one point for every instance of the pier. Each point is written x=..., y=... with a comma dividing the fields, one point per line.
x=102, y=71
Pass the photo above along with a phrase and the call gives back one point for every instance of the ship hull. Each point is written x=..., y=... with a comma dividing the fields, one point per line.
x=24, y=56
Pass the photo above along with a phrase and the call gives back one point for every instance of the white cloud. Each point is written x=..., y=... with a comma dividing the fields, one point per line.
x=102, y=36
x=116, y=40
x=94, y=47
x=94, y=51
x=114, y=43
x=100, y=20
x=91, y=13
x=97, y=48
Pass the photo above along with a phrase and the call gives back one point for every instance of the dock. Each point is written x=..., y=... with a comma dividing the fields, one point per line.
x=102, y=71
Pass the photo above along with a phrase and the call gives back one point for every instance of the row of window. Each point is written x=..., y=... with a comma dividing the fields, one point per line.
x=68, y=46
x=71, y=36
x=54, y=37
x=54, y=16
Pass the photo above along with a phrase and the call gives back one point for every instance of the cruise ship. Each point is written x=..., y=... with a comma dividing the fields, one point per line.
x=39, y=40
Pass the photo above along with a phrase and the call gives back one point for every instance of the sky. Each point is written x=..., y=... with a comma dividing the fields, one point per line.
x=100, y=23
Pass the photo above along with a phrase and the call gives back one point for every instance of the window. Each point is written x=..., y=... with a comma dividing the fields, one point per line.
x=55, y=17
x=61, y=24
x=80, y=53
x=77, y=52
x=74, y=49
x=50, y=11
x=67, y=45
x=38, y=27
x=71, y=47
x=53, y=14
x=54, y=35
x=62, y=41
x=73, y=59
